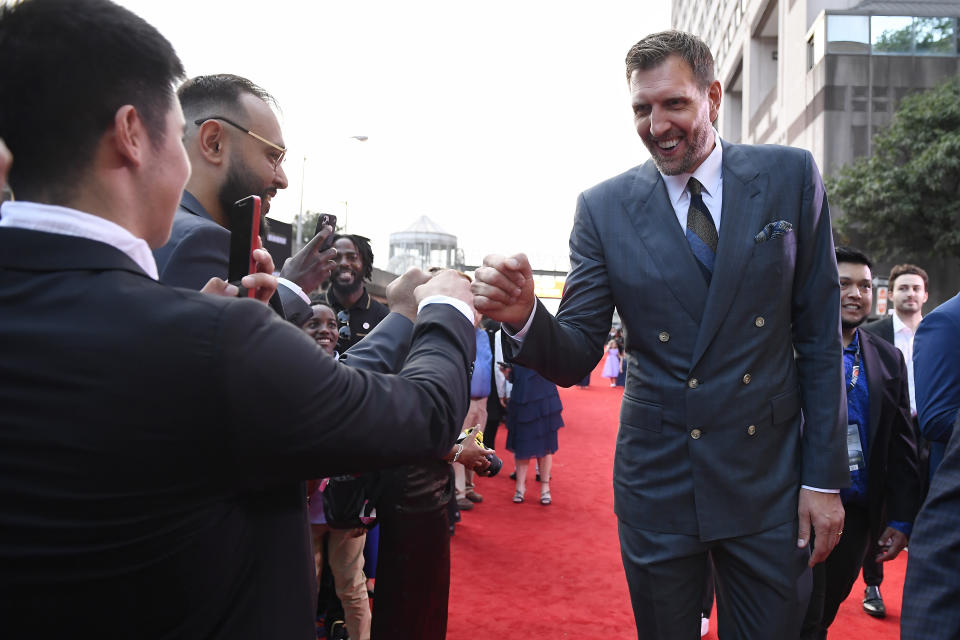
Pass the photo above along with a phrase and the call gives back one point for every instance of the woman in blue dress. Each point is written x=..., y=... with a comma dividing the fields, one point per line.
x=533, y=418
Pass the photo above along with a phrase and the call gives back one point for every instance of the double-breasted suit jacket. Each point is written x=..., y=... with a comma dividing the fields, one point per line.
x=720, y=375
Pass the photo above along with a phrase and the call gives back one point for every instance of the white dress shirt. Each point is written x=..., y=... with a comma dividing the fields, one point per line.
x=903, y=339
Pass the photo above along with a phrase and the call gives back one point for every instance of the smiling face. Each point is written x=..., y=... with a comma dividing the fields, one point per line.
x=348, y=275
x=908, y=293
x=322, y=327
x=856, y=293
x=673, y=115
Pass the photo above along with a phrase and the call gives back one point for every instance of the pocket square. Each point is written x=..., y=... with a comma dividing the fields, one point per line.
x=773, y=230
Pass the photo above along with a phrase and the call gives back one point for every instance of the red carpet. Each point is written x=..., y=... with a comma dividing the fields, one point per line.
x=545, y=573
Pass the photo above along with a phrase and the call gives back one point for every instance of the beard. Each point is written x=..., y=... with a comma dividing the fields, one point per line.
x=697, y=150
x=346, y=289
x=238, y=185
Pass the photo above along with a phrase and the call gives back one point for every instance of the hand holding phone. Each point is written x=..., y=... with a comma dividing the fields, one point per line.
x=326, y=220
x=244, y=218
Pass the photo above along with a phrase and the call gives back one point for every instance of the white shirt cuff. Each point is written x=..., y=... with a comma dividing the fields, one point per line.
x=460, y=305
x=803, y=486
x=520, y=335
x=293, y=286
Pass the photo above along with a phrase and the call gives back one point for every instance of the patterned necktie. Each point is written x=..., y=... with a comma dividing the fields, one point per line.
x=701, y=232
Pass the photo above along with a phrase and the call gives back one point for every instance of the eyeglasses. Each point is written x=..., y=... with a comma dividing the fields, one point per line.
x=276, y=162
x=343, y=318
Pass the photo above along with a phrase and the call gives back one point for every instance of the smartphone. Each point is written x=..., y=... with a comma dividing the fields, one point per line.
x=326, y=220
x=244, y=219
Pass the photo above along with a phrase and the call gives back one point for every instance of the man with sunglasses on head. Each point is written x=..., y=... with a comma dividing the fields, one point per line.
x=236, y=149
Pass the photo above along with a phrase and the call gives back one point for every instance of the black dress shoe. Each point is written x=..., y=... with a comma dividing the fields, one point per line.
x=873, y=602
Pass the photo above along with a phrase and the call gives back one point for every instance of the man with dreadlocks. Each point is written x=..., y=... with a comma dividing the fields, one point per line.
x=357, y=312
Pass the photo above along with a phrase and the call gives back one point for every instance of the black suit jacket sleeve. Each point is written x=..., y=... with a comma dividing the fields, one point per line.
x=314, y=417
x=385, y=348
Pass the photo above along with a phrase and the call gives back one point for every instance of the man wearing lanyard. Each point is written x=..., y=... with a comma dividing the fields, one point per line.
x=881, y=447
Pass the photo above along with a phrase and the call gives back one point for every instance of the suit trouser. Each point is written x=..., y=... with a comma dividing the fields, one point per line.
x=763, y=583
x=834, y=578
x=413, y=585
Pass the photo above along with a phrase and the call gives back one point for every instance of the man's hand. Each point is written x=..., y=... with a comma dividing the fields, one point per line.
x=6, y=159
x=446, y=283
x=400, y=296
x=310, y=267
x=503, y=289
x=263, y=282
x=825, y=512
x=893, y=542
x=474, y=456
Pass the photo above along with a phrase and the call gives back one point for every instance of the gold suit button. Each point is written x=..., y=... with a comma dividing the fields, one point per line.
x=693, y=383
x=751, y=430
x=664, y=336
x=747, y=378
x=759, y=321
x=695, y=434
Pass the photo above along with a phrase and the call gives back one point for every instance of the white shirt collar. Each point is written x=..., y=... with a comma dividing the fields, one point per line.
x=709, y=174
x=899, y=326
x=70, y=222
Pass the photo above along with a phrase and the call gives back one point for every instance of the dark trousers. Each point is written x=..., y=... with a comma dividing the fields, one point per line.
x=413, y=579
x=872, y=570
x=834, y=578
x=762, y=583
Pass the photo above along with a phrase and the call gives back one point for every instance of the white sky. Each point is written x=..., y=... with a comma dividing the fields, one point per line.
x=487, y=117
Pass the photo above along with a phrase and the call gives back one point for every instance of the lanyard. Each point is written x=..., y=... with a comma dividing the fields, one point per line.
x=855, y=373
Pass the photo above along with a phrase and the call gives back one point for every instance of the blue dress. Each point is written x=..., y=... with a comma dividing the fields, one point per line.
x=533, y=415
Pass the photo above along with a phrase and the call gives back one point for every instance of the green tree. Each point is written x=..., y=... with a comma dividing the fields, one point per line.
x=904, y=200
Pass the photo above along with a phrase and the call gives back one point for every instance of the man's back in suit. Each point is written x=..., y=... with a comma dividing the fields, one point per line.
x=144, y=424
x=149, y=481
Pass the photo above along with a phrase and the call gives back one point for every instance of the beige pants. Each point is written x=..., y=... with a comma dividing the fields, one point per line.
x=346, y=563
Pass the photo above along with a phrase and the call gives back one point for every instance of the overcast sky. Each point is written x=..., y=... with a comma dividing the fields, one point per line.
x=489, y=118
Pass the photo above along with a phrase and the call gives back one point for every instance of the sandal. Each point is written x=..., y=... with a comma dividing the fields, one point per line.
x=545, y=497
x=518, y=496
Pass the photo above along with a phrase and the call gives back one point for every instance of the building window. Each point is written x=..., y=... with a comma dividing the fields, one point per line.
x=848, y=34
x=934, y=36
x=891, y=34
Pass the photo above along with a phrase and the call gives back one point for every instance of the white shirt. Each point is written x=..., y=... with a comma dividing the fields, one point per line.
x=70, y=222
x=903, y=339
x=710, y=175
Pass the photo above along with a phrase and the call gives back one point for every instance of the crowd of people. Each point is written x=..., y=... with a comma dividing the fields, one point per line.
x=178, y=460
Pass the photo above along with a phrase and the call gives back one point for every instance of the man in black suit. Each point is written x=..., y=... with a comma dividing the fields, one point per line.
x=884, y=479
x=908, y=285
x=734, y=244
x=236, y=149
x=154, y=440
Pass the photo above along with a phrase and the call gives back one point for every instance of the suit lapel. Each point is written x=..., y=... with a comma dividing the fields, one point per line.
x=649, y=210
x=740, y=219
x=875, y=380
